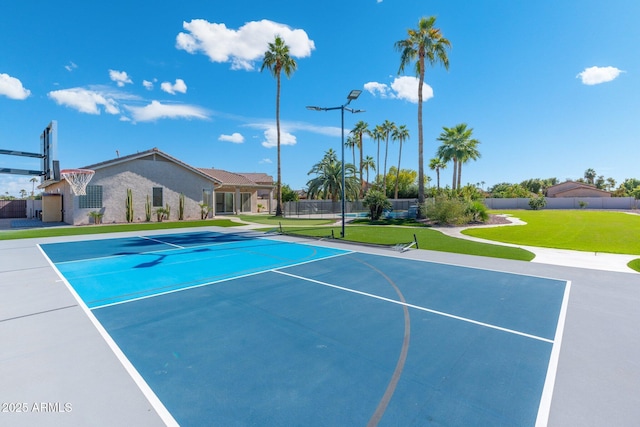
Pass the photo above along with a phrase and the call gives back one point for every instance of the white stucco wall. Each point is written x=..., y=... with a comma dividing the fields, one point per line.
x=141, y=175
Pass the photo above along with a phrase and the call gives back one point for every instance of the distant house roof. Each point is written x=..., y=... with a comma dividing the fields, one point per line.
x=575, y=189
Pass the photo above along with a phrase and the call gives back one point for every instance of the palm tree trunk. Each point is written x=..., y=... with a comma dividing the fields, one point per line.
x=279, y=184
x=395, y=194
x=459, y=173
x=420, y=136
x=361, y=180
x=384, y=175
x=455, y=169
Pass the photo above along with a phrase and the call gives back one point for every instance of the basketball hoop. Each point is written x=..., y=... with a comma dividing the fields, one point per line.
x=77, y=179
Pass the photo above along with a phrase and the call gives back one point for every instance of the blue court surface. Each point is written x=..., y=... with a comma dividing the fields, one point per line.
x=232, y=330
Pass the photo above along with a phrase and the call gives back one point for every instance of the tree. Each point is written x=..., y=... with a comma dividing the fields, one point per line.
x=328, y=181
x=377, y=202
x=424, y=44
x=33, y=186
x=400, y=134
x=278, y=60
x=378, y=135
x=387, y=130
x=289, y=195
x=368, y=164
x=351, y=142
x=589, y=176
x=23, y=194
x=361, y=128
x=436, y=164
x=458, y=146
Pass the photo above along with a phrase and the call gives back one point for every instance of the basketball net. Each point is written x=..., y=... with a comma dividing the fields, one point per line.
x=77, y=179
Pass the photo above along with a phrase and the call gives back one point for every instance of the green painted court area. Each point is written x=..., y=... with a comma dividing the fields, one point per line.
x=232, y=329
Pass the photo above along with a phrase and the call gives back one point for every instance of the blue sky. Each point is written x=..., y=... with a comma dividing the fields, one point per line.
x=550, y=88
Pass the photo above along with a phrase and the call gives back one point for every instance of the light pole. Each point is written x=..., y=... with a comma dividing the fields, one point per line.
x=354, y=94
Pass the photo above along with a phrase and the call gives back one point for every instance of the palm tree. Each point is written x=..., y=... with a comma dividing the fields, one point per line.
x=378, y=135
x=424, y=43
x=459, y=147
x=328, y=181
x=436, y=164
x=400, y=134
x=277, y=60
x=33, y=186
x=590, y=175
x=387, y=130
x=361, y=128
x=368, y=164
x=352, y=142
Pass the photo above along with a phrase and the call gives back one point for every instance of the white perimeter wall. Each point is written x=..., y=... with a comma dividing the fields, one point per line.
x=621, y=203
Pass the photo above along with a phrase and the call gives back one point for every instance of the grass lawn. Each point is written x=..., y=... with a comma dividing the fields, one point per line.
x=582, y=230
x=108, y=228
x=427, y=239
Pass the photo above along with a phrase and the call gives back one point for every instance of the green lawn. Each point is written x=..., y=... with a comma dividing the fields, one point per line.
x=582, y=230
x=427, y=239
x=108, y=228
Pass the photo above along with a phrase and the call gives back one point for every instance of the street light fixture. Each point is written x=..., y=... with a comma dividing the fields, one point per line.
x=354, y=94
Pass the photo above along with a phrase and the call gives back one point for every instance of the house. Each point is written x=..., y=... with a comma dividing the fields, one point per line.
x=156, y=178
x=575, y=189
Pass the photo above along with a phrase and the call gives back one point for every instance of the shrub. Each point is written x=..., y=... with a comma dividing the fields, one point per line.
x=582, y=204
x=97, y=216
x=377, y=202
x=477, y=211
x=147, y=210
x=448, y=211
x=536, y=203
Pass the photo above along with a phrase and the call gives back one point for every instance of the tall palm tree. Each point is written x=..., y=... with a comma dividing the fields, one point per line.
x=368, y=164
x=387, y=130
x=378, y=135
x=352, y=142
x=459, y=147
x=400, y=134
x=361, y=128
x=590, y=175
x=278, y=60
x=426, y=43
x=436, y=164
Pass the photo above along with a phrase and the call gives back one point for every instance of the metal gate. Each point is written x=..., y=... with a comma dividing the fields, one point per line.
x=13, y=208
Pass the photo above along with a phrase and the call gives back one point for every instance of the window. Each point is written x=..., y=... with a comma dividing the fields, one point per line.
x=225, y=202
x=157, y=197
x=93, y=198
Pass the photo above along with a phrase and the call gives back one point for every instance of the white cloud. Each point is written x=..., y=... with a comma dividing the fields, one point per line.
x=147, y=84
x=71, y=66
x=240, y=47
x=120, y=77
x=12, y=87
x=178, y=86
x=404, y=87
x=271, y=138
x=265, y=161
x=156, y=110
x=377, y=89
x=596, y=75
x=235, y=137
x=86, y=100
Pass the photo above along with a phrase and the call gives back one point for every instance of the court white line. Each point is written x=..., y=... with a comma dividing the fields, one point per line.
x=161, y=241
x=547, y=392
x=439, y=313
x=146, y=390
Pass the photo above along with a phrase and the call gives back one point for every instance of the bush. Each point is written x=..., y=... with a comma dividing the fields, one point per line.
x=478, y=211
x=536, y=203
x=377, y=202
x=448, y=211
